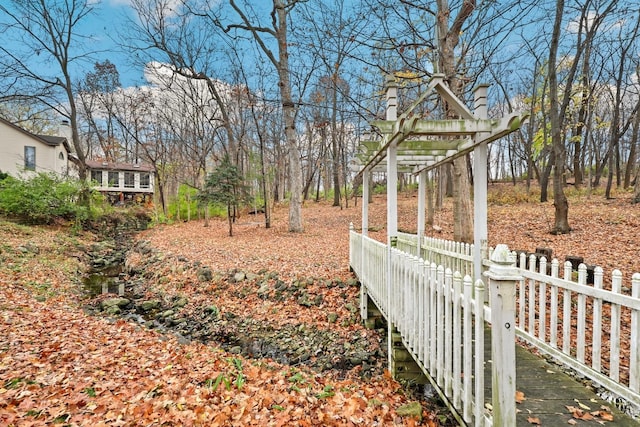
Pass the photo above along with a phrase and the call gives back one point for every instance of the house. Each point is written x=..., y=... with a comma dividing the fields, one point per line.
x=23, y=153
x=122, y=182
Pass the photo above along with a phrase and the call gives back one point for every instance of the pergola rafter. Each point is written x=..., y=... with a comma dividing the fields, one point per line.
x=426, y=144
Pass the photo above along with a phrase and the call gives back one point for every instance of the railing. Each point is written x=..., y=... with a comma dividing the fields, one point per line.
x=594, y=331
x=453, y=255
x=435, y=311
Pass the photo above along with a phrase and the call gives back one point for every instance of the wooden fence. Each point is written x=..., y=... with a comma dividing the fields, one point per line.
x=441, y=317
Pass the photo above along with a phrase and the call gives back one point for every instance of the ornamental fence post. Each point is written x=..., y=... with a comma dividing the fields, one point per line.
x=503, y=276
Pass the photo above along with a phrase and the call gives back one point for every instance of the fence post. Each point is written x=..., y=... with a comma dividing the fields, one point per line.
x=503, y=276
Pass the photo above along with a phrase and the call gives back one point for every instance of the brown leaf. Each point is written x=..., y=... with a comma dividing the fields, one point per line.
x=533, y=420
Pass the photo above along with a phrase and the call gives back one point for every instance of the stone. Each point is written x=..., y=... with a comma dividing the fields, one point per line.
x=204, y=274
x=332, y=317
x=149, y=305
x=239, y=277
x=411, y=409
x=180, y=302
x=113, y=310
x=119, y=302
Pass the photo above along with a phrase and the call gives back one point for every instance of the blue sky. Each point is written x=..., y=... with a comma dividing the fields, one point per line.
x=103, y=26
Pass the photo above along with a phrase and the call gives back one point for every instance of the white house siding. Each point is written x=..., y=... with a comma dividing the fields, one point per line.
x=51, y=152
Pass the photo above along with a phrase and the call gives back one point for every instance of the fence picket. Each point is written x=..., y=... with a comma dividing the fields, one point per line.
x=456, y=368
x=596, y=331
x=614, y=337
x=553, y=304
x=581, y=315
x=634, y=360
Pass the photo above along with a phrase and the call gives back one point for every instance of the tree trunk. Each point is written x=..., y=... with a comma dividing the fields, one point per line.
x=631, y=162
x=462, y=209
x=561, y=220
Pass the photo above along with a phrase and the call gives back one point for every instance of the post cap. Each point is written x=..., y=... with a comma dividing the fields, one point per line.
x=502, y=255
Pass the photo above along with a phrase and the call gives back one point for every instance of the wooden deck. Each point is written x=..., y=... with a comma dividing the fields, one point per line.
x=548, y=391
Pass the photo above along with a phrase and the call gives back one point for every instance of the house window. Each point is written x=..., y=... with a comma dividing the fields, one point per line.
x=145, y=180
x=61, y=156
x=129, y=180
x=97, y=177
x=30, y=158
x=114, y=179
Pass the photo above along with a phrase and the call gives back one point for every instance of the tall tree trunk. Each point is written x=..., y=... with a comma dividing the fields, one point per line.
x=561, y=219
x=631, y=162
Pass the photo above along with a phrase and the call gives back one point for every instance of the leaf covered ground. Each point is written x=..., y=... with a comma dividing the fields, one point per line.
x=59, y=364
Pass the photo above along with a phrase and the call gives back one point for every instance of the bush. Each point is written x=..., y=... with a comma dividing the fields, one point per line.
x=42, y=199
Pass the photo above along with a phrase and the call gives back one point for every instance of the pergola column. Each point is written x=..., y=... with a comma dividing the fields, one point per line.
x=422, y=190
x=480, y=232
x=392, y=200
x=366, y=176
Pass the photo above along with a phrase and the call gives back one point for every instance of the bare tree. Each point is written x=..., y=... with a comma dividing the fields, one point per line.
x=278, y=32
x=47, y=32
x=97, y=99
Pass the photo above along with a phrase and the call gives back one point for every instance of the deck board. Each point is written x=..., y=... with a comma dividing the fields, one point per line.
x=548, y=390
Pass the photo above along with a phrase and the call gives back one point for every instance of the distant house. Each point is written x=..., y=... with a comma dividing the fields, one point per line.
x=23, y=153
x=123, y=182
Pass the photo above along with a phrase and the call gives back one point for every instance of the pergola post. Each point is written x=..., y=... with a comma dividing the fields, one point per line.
x=366, y=176
x=480, y=233
x=422, y=190
x=392, y=200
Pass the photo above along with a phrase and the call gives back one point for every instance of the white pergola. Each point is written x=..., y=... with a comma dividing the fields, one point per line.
x=411, y=145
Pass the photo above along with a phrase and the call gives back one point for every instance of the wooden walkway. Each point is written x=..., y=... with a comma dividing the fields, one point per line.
x=548, y=391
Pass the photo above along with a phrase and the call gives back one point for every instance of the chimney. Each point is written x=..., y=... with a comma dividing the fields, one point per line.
x=64, y=130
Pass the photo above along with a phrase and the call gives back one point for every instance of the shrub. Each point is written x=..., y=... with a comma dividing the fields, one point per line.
x=42, y=199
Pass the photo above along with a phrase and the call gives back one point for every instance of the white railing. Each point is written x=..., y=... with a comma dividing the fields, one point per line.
x=593, y=330
x=435, y=311
x=453, y=255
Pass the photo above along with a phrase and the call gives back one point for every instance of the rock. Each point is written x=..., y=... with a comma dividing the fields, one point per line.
x=113, y=310
x=180, y=302
x=119, y=302
x=352, y=308
x=29, y=248
x=149, y=305
x=304, y=301
x=239, y=277
x=168, y=313
x=204, y=274
x=412, y=409
x=332, y=317
x=251, y=277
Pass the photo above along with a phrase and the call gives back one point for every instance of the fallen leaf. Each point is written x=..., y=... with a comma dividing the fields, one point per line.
x=534, y=420
x=520, y=397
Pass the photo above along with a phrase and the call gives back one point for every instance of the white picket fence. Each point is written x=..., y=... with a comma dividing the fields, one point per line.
x=593, y=330
x=453, y=255
x=441, y=316
x=447, y=339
